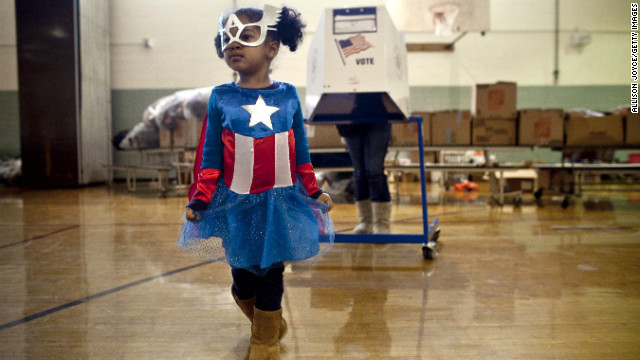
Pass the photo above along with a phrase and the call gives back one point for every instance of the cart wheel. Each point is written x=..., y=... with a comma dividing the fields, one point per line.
x=436, y=234
x=517, y=201
x=565, y=202
x=428, y=253
x=538, y=194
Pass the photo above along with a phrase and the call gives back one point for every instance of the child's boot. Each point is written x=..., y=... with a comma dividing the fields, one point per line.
x=365, y=213
x=264, y=335
x=247, y=308
x=382, y=217
x=245, y=305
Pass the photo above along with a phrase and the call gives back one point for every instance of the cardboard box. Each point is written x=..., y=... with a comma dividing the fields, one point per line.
x=594, y=131
x=413, y=157
x=494, y=100
x=452, y=127
x=632, y=129
x=185, y=135
x=541, y=127
x=323, y=136
x=494, y=131
x=520, y=180
x=406, y=133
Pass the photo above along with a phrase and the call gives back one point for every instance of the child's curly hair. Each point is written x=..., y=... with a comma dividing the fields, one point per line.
x=289, y=27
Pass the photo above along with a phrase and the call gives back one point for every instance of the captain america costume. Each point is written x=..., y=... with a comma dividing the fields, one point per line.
x=258, y=180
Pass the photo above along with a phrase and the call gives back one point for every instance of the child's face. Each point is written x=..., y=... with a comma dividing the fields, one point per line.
x=248, y=59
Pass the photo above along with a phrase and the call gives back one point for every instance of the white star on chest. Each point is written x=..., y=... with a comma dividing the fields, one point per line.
x=260, y=113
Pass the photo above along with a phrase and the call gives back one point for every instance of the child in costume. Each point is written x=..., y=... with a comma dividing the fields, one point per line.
x=255, y=203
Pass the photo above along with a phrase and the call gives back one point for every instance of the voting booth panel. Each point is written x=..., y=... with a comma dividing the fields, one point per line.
x=357, y=68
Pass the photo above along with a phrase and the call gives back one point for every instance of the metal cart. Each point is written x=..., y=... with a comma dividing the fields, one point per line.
x=430, y=231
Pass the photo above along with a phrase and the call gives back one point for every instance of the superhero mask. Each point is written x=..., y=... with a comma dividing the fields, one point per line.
x=252, y=34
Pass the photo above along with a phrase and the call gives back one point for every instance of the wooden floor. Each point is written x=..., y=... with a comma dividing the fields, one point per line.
x=93, y=273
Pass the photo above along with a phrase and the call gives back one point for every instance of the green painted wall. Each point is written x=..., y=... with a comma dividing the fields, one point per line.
x=599, y=98
x=9, y=124
x=127, y=106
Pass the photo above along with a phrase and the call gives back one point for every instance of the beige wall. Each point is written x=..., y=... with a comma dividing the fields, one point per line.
x=519, y=47
x=8, y=59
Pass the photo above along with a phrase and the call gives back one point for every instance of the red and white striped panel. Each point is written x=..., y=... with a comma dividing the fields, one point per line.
x=255, y=165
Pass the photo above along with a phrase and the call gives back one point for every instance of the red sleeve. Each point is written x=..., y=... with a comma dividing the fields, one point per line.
x=308, y=177
x=207, y=183
x=198, y=160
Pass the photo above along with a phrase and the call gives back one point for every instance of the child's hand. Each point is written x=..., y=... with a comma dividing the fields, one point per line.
x=325, y=198
x=192, y=215
x=193, y=209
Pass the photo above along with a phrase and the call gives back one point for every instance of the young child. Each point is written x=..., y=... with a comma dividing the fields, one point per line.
x=256, y=203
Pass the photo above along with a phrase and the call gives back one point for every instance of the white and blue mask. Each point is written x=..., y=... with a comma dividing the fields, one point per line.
x=252, y=34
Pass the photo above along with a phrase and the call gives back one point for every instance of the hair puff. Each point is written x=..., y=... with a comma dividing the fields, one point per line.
x=290, y=28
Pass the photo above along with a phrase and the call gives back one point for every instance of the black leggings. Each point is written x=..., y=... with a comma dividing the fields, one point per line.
x=268, y=289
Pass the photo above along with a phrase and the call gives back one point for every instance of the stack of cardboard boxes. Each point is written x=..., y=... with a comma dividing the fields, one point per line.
x=494, y=113
x=495, y=121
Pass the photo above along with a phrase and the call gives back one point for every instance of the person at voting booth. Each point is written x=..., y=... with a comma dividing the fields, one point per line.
x=367, y=145
x=256, y=203
x=357, y=78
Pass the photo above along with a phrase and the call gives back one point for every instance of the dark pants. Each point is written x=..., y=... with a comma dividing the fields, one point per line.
x=268, y=289
x=368, y=148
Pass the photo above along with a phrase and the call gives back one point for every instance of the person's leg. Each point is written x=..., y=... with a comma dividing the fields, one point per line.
x=243, y=291
x=375, y=152
x=270, y=288
x=243, y=283
x=355, y=145
x=376, y=145
x=244, y=288
x=268, y=325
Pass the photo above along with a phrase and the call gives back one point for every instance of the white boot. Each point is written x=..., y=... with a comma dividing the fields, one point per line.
x=365, y=213
x=381, y=217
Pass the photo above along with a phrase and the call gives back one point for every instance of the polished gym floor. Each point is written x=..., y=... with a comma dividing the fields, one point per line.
x=93, y=273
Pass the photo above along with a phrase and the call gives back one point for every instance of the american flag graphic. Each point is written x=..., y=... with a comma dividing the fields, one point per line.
x=354, y=45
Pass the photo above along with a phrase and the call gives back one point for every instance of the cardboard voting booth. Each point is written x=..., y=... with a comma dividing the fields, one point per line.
x=357, y=68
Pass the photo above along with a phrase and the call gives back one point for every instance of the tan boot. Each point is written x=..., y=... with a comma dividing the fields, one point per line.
x=365, y=213
x=264, y=335
x=247, y=308
x=245, y=305
x=381, y=217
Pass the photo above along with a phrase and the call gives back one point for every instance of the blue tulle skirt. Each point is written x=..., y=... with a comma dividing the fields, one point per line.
x=257, y=231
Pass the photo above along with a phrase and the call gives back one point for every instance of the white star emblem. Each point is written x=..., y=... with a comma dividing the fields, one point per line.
x=260, y=113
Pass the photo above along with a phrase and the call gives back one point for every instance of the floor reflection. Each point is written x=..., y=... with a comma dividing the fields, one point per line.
x=365, y=331
x=534, y=282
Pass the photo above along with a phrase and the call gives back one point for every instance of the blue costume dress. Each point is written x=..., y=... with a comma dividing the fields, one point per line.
x=257, y=178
